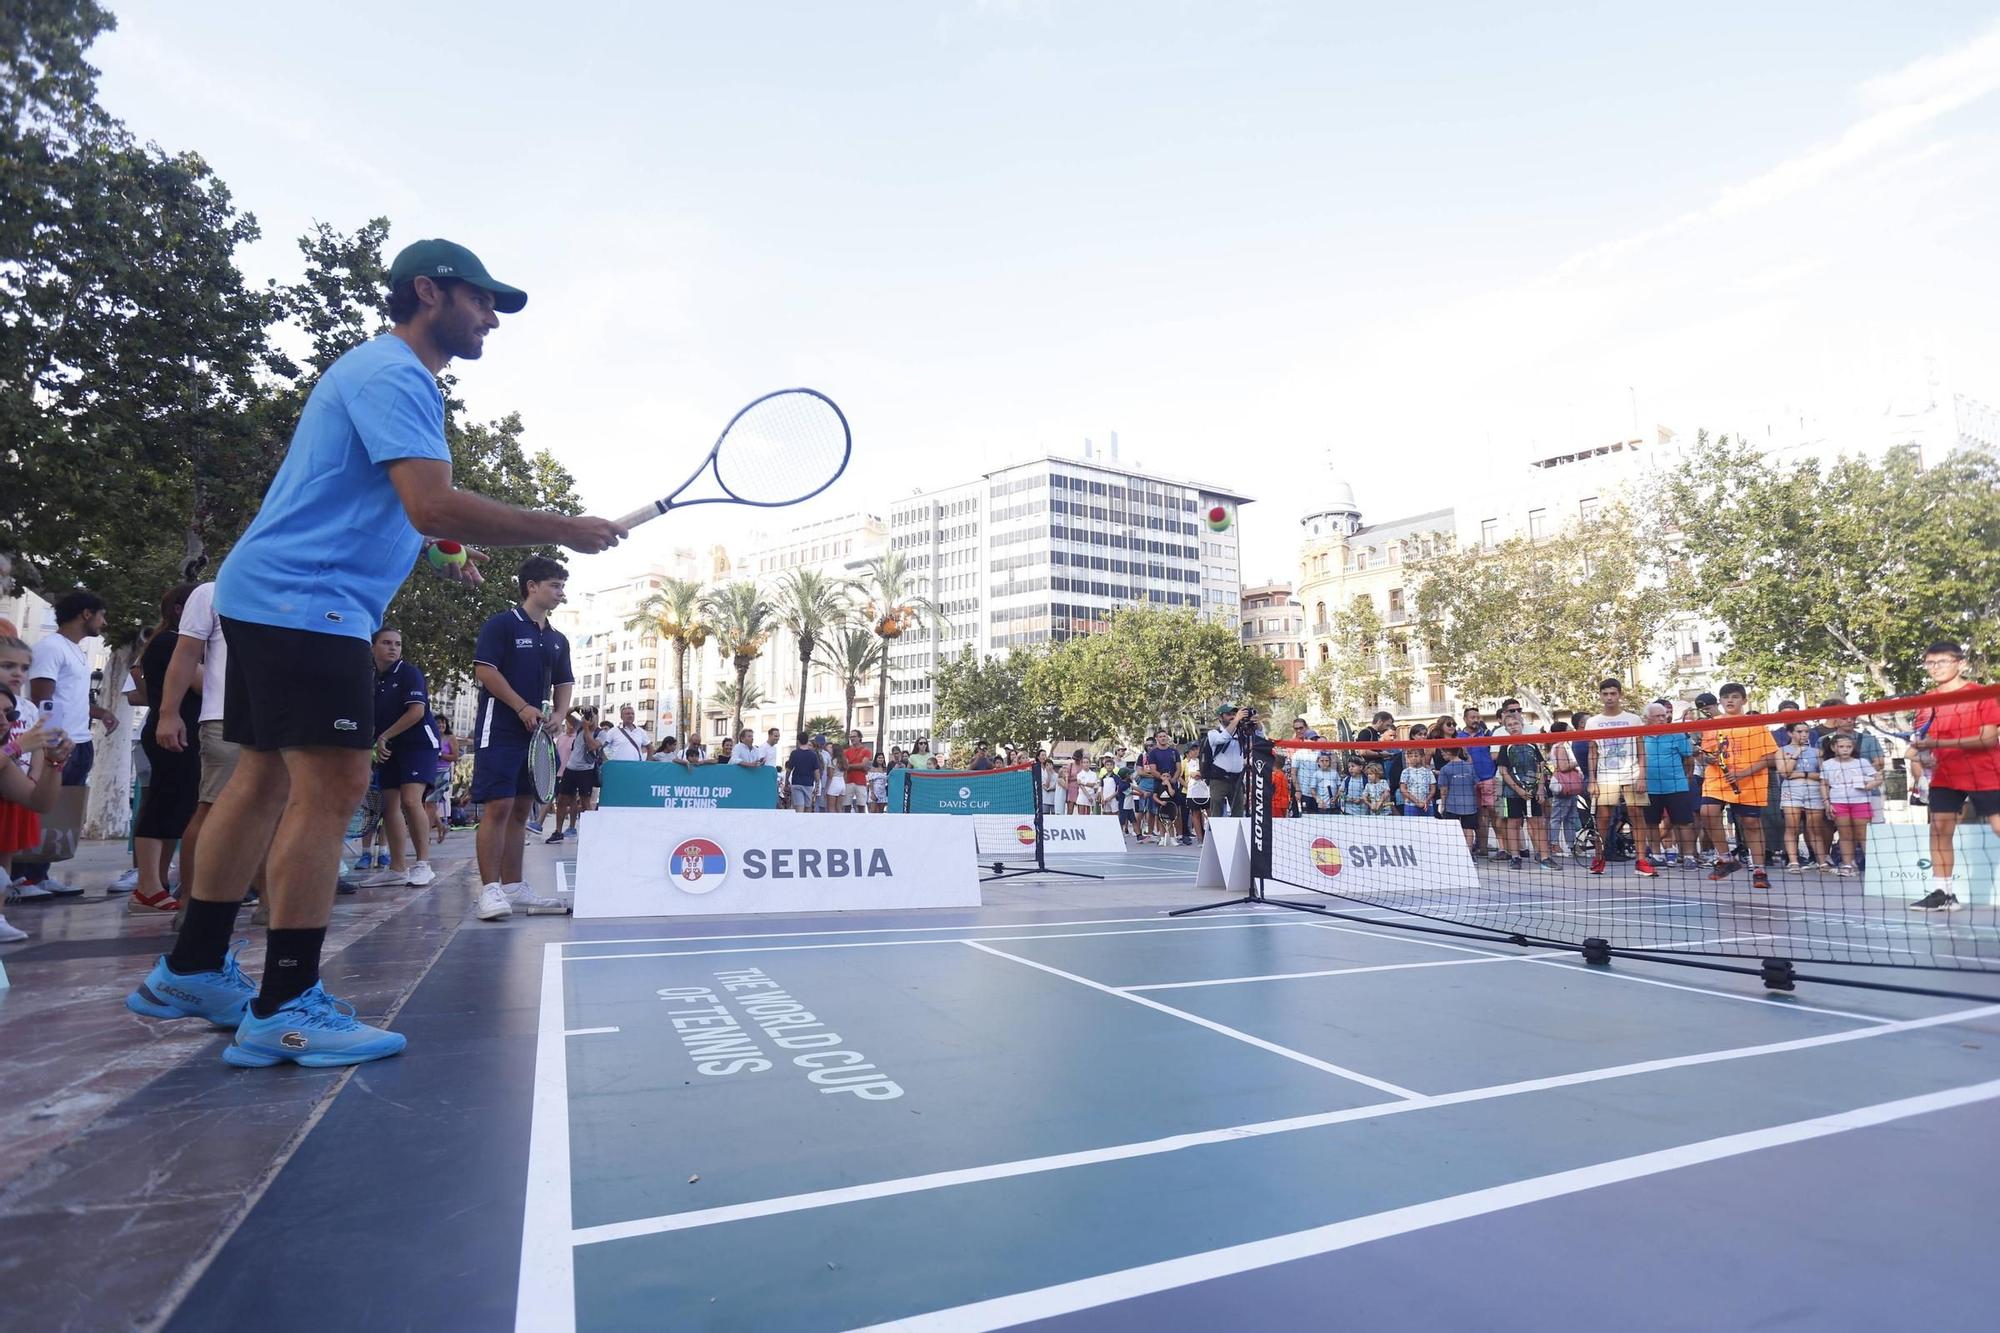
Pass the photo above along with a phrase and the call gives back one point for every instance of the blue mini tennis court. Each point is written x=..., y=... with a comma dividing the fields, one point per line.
x=1110, y=1120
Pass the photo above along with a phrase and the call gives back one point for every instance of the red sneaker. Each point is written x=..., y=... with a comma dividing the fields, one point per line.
x=1759, y=880
x=1724, y=869
x=1597, y=866
x=1644, y=867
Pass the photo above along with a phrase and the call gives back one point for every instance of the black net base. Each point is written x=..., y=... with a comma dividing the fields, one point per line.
x=1823, y=836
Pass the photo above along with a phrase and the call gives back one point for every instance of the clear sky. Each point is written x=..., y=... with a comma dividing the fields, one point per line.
x=1426, y=239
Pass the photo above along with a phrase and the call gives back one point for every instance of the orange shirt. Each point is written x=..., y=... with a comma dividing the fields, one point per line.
x=1740, y=747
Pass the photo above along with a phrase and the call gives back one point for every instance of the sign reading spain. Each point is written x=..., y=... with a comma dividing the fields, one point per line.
x=1372, y=855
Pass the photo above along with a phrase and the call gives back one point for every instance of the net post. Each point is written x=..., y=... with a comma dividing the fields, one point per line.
x=1259, y=799
x=908, y=775
x=1035, y=799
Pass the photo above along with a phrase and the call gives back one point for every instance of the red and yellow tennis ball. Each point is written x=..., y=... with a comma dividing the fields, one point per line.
x=447, y=556
x=1218, y=518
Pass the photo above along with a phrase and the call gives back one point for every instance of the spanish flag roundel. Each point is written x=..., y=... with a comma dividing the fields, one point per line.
x=1326, y=856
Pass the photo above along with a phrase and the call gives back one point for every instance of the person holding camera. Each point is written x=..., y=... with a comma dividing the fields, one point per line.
x=1226, y=749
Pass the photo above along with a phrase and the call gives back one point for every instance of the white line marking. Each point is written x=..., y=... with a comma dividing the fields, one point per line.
x=880, y=944
x=1769, y=1001
x=1048, y=1302
x=881, y=1189
x=546, y=1297
x=1158, y=917
x=587, y=1032
x=1337, y=972
x=1213, y=1026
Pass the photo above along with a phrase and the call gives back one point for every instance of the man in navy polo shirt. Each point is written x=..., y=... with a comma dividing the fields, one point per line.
x=518, y=660
x=406, y=751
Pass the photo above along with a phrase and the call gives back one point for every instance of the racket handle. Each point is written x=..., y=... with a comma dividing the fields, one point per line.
x=641, y=515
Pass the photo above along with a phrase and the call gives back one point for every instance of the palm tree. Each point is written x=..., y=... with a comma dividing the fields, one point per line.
x=742, y=621
x=852, y=653
x=893, y=603
x=738, y=698
x=810, y=604
x=675, y=614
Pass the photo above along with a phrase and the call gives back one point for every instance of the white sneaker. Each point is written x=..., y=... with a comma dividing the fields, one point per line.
x=492, y=904
x=525, y=901
x=384, y=879
x=126, y=882
x=60, y=889
x=421, y=874
x=11, y=934
x=20, y=891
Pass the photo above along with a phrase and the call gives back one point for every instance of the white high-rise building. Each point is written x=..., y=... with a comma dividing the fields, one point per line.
x=616, y=665
x=1045, y=550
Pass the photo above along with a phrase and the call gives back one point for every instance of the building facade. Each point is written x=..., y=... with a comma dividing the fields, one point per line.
x=1044, y=551
x=617, y=663
x=1274, y=625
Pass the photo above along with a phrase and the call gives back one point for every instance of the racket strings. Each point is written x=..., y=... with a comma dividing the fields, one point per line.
x=782, y=448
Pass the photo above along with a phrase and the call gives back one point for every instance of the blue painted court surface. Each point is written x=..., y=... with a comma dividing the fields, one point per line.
x=1109, y=1119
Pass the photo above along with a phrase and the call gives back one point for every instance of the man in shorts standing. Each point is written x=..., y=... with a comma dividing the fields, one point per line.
x=1737, y=780
x=802, y=776
x=1669, y=763
x=1485, y=771
x=368, y=473
x=854, y=760
x=1616, y=773
x=518, y=659
x=1960, y=745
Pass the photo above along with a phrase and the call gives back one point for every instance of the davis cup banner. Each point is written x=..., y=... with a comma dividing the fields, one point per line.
x=661, y=786
x=729, y=862
x=1372, y=854
x=1006, y=793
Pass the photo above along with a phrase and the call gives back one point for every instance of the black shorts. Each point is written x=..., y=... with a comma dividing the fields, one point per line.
x=1470, y=821
x=1520, y=807
x=1951, y=801
x=413, y=767
x=286, y=689
x=1677, y=806
x=577, y=782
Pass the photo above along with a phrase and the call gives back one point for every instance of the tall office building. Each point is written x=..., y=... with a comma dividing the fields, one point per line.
x=1045, y=550
x=839, y=549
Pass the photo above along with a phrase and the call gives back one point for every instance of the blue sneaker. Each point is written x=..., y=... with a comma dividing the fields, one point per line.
x=314, y=1030
x=222, y=997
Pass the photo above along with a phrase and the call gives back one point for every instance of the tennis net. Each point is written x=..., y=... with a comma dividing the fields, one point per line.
x=1819, y=834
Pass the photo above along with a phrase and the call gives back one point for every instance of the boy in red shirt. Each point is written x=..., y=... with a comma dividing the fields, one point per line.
x=1960, y=744
x=856, y=757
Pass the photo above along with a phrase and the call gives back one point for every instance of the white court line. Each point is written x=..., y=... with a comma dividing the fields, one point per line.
x=1213, y=1026
x=587, y=1032
x=1262, y=923
x=1769, y=1001
x=881, y=1189
x=545, y=1300
x=1338, y=972
x=1048, y=1302
x=886, y=930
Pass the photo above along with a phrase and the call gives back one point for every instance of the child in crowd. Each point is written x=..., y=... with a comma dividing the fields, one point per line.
x=1459, y=787
x=1354, y=789
x=1419, y=784
x=1846, y=782
x=1325, y=790
x=1375, y=795
x=878, y=786
x=1803, y=798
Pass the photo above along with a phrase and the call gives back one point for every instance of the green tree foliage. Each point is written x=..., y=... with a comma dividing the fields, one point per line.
x=1370, y=666
x=892, y=605
x=854, y=653
x=743, y=622
x=811, y=605
x=1548, y=618
x=824, y=725
x=1151, y=667
x=1822, y=572
x=675, y=614
x=998, y=699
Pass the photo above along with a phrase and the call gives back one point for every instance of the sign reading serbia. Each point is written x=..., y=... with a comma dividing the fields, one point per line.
x=727, y=862
x=1359, y=854
x=685, y=787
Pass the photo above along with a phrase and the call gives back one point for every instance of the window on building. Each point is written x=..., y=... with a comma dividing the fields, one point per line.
x=1538, y=524
x=1586, y=510
x=1489, y=533
x=1396, y=601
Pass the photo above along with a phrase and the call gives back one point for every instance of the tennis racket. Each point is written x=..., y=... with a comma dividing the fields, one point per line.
x=781, y=449
x=542, y=763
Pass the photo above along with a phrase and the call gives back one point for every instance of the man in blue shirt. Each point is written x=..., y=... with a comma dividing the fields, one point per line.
x=518, y=661
x=367, y=476
x=406, y=750
x=1484, y=770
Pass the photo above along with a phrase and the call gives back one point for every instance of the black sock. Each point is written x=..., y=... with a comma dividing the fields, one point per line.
x=291, y=968
x=204, y=937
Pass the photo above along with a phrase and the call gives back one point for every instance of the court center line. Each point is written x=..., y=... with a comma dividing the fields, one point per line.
x=881, y=1189
x=1341, y=1071
x=545, y=1299
x=1336, y=972
x=1064, y=1298
x=587, y=1032
x=1264, y=923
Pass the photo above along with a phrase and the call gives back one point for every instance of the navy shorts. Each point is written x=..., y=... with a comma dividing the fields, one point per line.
x=417, y=766
x=1677, y=806
x=500, y=772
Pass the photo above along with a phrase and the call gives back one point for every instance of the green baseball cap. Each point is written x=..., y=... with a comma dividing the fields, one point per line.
x=439, y=258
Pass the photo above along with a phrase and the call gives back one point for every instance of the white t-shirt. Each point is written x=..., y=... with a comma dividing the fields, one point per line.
x=1617, y=758
x=746, y=755
x=624, y=743
x=199, y=621
x=59, y=660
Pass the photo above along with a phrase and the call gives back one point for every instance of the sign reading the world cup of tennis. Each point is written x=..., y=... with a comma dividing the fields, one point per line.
x=637, y=862
x=1360, y=854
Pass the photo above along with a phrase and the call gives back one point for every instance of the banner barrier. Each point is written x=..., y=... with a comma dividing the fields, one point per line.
x=1009, y=791
x=1062, y=835
x=1899, y=863
x=1372, y=854
x=662, y=786
x=642, y=863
